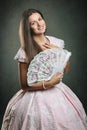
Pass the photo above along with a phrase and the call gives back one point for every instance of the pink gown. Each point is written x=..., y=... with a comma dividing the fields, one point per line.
x=57, y=108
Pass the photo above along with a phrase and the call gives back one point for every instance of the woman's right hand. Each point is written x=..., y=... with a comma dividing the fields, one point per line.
x=56, y=78
x=38, y=86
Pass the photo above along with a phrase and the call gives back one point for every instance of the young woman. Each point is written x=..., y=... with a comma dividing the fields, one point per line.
x=53, y=107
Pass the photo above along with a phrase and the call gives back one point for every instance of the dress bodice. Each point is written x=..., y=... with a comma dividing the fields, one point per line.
x=21, y=57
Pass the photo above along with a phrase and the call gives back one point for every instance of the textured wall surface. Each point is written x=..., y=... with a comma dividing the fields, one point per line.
x=67, y=20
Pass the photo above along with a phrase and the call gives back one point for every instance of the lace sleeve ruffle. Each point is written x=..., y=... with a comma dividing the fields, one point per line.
x=56, y=41
x=59, y=42
x=20, y=56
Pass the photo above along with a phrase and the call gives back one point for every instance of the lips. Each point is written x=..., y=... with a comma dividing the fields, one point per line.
x=41, y=28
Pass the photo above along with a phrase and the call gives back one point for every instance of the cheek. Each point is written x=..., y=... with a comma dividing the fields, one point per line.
x=45, y=24
x=33, y=28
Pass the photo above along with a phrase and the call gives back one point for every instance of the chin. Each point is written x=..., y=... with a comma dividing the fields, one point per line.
x=42, y=32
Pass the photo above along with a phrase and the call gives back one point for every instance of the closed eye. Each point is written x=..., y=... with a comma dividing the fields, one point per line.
x=40, y=19
x=32, y=23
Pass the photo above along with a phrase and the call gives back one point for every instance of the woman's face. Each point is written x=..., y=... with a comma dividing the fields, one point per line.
x=37, y=24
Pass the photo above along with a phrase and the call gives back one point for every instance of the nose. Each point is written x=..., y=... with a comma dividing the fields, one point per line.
x=39, y=23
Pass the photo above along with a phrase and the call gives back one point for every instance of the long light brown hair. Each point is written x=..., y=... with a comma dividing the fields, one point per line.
x=26, y=35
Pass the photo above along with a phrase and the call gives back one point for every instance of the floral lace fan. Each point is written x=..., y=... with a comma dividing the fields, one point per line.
x=46, y=64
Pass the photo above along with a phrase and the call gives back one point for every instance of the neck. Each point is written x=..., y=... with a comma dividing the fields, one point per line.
x=39, y=39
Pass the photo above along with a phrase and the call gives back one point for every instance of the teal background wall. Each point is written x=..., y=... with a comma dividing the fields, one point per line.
x=67, y=20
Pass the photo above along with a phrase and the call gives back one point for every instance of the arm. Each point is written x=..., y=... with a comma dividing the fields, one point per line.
x=38, y=86
x=67, y=67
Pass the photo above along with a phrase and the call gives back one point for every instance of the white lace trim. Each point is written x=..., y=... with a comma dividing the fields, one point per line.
x=20, y=56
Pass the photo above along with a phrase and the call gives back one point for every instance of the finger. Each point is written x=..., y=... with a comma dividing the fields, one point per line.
x=59, y=73
x=46, y=45
x=43, y=47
